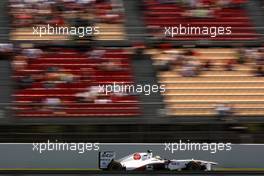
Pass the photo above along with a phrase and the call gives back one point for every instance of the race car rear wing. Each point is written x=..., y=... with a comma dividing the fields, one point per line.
x=105, y=158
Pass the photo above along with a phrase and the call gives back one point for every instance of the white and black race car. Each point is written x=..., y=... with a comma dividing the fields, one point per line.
x=146, y=161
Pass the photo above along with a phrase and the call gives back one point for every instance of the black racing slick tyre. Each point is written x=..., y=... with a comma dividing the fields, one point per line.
x=193, y=166
x=114, y=166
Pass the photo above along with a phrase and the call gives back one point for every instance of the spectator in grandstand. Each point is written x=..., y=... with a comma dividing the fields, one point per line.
x=85, y=2
x=188, y=52
x=229, y=65
x=199, y=9
x=207, y=65
x=259, y=71
x=52, y=103
x=199, y=13
x=224, y=110
x=188, y=71
x=191, y=68
x=57, y=75
x=67, y=77
x=111, y=66
x=61, y=77
x=32, y=53
x=96, y=54
x=19, y=63
x=49, y=85
x=102, y=101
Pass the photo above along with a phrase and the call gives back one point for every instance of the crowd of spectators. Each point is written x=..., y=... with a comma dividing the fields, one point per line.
x=203, y=8
x=60, y=12
x=190, y=66
x=64, y=13
x=255, y=56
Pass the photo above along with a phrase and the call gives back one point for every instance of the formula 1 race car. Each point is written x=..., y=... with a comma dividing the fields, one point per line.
x=146, y=161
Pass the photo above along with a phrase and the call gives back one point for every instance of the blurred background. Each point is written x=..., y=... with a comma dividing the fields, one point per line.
x=49, y=84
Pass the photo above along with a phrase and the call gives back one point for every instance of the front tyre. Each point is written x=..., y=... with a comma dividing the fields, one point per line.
x=114, y=166
x=193, y=166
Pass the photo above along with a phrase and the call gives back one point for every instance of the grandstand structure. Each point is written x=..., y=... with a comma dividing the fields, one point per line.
x=87, y=74
x=198, y=96
x=68, y=67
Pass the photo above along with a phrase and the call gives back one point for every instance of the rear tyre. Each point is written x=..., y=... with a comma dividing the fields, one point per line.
x=193, y=166
x=203, y=168
x=114, y=166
